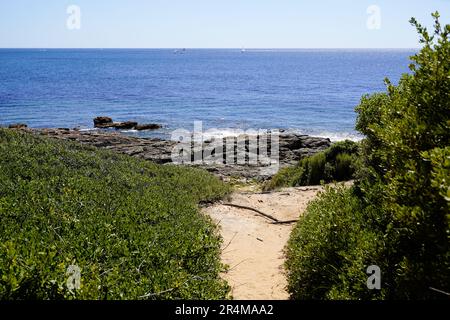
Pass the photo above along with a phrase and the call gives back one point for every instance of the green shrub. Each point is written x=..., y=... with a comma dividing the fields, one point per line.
x=408, y=136
x=314, y=170
x=285, y=177
x=337, y=163
x=133, y=227
x=400, y=201
x=331, y=241
x=344, y=168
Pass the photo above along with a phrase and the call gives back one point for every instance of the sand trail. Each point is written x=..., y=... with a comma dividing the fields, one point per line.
x=253, y=245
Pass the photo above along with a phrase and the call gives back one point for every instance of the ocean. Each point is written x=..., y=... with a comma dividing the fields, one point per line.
x=311, y=92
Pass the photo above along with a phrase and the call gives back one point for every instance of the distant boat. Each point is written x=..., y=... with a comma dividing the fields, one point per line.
x=182, y=51
x=243, y=50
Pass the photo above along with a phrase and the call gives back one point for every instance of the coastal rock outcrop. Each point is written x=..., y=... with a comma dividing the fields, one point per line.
x=102, y=122
x=147, y=126
x=17, y=126
x=292, y=148
x=127, y=125
x=107, y=122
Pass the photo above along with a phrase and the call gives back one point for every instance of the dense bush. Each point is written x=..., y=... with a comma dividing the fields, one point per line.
x=332, y=240
x=133, y=227
x=397, y=215
x=334, y=164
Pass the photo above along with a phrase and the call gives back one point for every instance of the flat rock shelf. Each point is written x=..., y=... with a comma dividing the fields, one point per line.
x=292, y=148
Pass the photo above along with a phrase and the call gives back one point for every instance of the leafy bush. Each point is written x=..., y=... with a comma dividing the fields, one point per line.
x=330, y=241
x=334, y=164
x=344, y=167
x=132, y=227
x=397, y=214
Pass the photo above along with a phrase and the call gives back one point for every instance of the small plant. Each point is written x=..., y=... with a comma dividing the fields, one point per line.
x=334, y=164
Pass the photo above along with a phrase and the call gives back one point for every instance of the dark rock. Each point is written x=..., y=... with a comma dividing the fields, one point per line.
x=292, y=149
x=17, y=126
x=291, y=141
x=148, y=126
x=107, y=122
x=101, y=122
x=124, y=125
x=313, y=142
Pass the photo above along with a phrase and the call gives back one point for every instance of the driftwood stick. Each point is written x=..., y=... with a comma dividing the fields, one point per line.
x=285, y=222
x=268, y=216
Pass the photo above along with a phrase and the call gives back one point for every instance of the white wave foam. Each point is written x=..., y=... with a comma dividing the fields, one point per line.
x=333, y=136
x=216, y=133
x=340, y=136
x=88, y=129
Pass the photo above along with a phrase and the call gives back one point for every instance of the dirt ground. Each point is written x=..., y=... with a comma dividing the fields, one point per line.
x=252, y=245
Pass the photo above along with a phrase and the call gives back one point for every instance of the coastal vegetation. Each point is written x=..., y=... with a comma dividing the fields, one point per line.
x=131, y=228
x=337, y=163
x=397, y=214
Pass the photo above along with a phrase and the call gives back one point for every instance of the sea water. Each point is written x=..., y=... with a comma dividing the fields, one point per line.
x=307, y=91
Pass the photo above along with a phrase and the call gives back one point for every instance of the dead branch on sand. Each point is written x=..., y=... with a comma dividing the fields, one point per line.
x=268, y=216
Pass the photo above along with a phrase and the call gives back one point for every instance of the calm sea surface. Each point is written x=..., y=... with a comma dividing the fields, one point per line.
x=309, y=91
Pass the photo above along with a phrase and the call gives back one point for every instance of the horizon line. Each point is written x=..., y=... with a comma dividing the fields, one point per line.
x=211, y=48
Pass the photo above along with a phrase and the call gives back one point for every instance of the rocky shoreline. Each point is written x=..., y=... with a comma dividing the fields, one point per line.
x=292, y=148
x=107, y=122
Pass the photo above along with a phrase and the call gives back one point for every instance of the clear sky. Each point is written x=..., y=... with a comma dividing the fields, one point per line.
x=214, y=23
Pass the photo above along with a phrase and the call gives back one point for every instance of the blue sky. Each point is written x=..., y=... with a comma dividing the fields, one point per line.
x=214, y=23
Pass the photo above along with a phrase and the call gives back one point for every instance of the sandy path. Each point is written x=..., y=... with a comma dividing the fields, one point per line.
x=252, y=246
